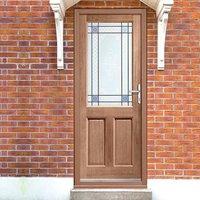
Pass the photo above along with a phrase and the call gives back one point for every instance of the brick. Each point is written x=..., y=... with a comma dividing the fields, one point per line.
x=36, y=100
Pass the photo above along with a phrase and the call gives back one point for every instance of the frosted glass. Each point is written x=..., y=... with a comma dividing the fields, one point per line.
x=109, y=64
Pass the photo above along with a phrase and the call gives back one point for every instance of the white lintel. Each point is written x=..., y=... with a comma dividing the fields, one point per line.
x=162, y=8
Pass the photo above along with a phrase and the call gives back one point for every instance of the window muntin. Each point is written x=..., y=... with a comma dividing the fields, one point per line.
x=109, y=79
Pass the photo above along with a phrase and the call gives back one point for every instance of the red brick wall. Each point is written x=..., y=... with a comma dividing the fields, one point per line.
x=36, y=99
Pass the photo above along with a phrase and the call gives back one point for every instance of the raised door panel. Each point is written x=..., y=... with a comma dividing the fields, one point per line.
x=123, y=142
x=96, y=139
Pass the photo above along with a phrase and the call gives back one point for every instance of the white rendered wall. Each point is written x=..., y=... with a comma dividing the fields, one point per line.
x=59, y=188
x=175, y=189
x=35, y=188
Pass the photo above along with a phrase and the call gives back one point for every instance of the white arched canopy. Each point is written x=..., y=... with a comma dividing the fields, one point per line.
x=162, y=8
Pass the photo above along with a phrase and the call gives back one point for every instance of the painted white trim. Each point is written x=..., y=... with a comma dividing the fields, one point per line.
x=151, y=3
x=58, y=7
x=70, y=3
x=52, y=188
x=162, y=11
x=162, y=8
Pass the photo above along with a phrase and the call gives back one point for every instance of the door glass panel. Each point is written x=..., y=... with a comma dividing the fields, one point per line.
x=109, y=79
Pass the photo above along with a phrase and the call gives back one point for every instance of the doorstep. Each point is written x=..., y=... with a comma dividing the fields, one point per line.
x=110, y=194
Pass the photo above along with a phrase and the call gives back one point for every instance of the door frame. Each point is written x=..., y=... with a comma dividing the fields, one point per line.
x=142, y=13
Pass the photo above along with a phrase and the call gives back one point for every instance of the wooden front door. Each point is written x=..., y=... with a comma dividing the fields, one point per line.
x=110, y=98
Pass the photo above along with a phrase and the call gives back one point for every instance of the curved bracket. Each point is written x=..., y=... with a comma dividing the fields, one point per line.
x=162, y=7
x=58, y=8
x=59, y=34
x=163, y=11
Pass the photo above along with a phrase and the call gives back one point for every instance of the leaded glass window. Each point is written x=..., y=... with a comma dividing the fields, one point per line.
x=109, y=79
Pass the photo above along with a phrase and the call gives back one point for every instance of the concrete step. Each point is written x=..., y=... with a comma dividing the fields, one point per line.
x=111, y=194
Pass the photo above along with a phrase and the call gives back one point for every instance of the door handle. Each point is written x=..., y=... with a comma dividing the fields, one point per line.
x=138, y=92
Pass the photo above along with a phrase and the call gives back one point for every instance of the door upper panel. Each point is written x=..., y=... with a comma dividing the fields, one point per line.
x=109, y=64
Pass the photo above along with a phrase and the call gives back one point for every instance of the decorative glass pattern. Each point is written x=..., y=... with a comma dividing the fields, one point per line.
x=109, y=79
